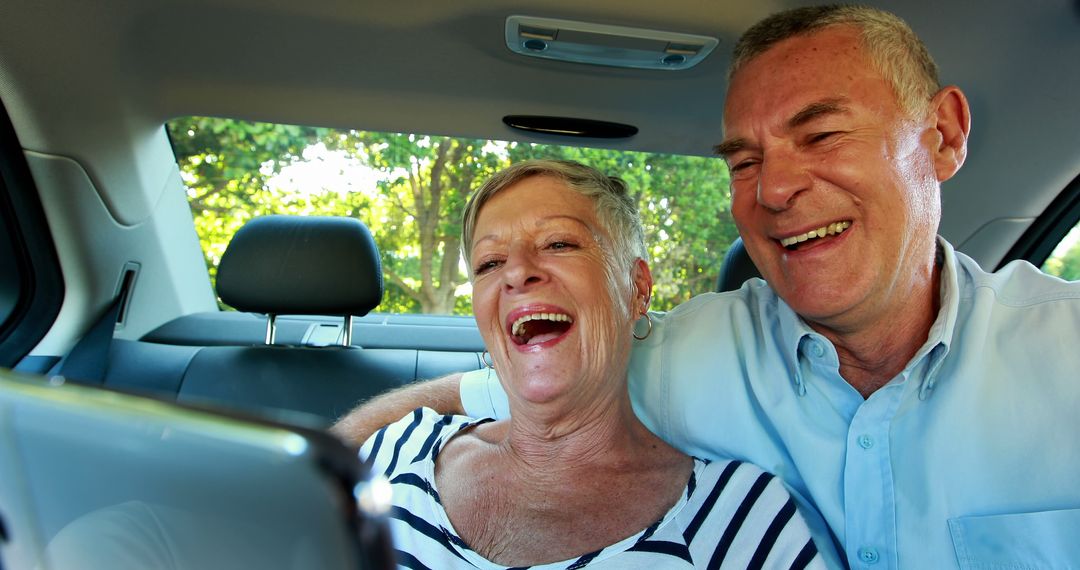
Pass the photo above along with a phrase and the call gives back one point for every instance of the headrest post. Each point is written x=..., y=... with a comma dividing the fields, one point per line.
x=347, y=337
x=271, y=328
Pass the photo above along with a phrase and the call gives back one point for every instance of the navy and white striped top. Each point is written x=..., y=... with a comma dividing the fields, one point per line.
x=731, y=515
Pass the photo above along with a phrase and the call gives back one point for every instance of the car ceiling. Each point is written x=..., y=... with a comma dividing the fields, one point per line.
x=75, y=75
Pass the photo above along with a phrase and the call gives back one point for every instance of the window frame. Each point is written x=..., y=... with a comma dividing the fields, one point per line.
x=40, y=288
x=1046, y=232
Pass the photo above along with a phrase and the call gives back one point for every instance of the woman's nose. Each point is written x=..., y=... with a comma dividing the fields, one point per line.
x=522, y=270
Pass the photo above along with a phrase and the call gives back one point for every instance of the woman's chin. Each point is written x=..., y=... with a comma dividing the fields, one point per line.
x=543, y=387
x=542, y=391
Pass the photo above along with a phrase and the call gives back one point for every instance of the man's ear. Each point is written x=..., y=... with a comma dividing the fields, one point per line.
x=642, y=284
x=951, y=118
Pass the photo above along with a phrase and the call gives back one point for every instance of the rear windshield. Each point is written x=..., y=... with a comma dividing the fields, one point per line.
x=410, y=190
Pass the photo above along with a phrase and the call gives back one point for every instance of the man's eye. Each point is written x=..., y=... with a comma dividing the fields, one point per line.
x=742, y=166
x=819, y=137
x=560, y=245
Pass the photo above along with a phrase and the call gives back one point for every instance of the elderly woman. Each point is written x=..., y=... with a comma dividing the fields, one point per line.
x=573, y=478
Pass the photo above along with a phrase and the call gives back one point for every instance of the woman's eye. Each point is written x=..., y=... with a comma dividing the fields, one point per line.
x=560, y=245
x=485, y=266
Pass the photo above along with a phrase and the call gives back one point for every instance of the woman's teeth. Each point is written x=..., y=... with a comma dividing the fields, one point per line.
x=518, y=329
x=832, y=229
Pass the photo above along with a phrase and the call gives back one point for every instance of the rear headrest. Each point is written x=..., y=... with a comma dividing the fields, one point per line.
x=737, y=268
x=301, y=265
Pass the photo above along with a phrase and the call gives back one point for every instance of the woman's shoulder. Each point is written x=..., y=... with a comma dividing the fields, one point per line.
x=741, y=510
x=728, y=469
x=418, y=435
x=731, y=481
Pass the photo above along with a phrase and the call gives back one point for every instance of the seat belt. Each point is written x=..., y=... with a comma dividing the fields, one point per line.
x=89, y=359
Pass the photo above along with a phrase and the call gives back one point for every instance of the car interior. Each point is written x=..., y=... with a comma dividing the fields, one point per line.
x=102, y=277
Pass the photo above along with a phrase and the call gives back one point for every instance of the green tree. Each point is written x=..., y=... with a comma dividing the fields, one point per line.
x=225, y=164
x=1066, y=266
x=417, y=216
x=415, y=209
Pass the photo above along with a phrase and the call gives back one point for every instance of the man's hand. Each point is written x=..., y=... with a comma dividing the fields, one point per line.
x=440, y=394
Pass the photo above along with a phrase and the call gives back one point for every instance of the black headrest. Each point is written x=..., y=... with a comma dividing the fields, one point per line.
x=301, y=265
x=737, y=268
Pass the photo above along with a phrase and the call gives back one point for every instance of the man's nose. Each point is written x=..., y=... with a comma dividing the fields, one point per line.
x=780, y=179
x=522, y=270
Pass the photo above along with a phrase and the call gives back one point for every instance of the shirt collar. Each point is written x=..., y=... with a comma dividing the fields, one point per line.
x=793, y=329
x=940, y=336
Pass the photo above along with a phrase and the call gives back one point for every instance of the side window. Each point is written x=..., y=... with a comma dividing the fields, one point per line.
x=410, y=189
x=31, y=287
x=1064, y=262
x=1052, y=242
x=11, y=279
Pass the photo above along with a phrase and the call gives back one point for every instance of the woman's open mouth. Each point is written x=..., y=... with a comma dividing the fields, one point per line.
x=539, y=327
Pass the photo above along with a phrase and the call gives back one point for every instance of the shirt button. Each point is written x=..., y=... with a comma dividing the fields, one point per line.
x=817, y=350
x=865, y=441
x=868, y=555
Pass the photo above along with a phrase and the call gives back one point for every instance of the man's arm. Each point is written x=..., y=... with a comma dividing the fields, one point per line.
x=440, y=394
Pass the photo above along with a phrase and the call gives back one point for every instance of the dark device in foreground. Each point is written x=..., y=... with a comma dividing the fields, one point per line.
x=114, y=480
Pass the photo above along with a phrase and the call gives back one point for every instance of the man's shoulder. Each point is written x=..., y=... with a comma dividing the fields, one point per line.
x=751, y=297
x=748, y=315
x=1017, y=284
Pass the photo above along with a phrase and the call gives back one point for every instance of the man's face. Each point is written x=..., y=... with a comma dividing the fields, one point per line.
x=817, y=144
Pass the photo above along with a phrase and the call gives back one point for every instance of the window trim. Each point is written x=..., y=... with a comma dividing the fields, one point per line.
x=1047, y=231
x=41, y=284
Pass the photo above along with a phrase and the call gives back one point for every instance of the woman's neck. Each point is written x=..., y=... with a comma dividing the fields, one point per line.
x=524, y=491
x=545, y=440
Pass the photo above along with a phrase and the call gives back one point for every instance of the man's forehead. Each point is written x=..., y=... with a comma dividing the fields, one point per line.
x=798, y=76
x=825, y=50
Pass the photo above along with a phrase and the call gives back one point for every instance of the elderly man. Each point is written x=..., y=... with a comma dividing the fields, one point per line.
x=925, y=406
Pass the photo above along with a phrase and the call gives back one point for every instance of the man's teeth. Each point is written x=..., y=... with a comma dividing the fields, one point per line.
x=832, y=229
x=519, y=325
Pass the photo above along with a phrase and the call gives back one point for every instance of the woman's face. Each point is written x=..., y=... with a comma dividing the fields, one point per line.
x=552, y=305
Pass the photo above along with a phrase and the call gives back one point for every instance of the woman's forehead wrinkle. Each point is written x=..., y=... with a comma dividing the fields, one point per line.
x=546, y=220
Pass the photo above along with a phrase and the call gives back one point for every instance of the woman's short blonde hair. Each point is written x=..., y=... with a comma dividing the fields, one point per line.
x=896, y=52
x=615, y=207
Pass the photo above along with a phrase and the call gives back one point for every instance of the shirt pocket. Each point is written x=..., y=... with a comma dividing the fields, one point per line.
x=1021, y=541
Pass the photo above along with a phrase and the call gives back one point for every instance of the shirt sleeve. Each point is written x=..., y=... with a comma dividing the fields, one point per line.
x=482, y=395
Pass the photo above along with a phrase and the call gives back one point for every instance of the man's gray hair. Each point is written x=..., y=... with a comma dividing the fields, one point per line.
x=896, y=52
x=615, y=207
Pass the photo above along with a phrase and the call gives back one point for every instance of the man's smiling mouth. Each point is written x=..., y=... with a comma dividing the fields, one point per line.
x=536, y=328
x=792, y=243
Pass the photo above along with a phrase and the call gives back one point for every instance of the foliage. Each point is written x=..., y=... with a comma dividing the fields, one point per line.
x=421, y=185
x=226, y=164
x=1066, y=265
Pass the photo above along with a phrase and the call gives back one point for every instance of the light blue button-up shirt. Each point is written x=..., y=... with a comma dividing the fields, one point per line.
x=969, y=458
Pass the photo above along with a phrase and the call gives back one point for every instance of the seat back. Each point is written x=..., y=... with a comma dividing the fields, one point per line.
x=311, y=271
x=306, y=265
x=736, y=268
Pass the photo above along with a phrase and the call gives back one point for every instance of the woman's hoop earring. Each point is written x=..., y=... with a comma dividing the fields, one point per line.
x=491, y=363
x=648, y=319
